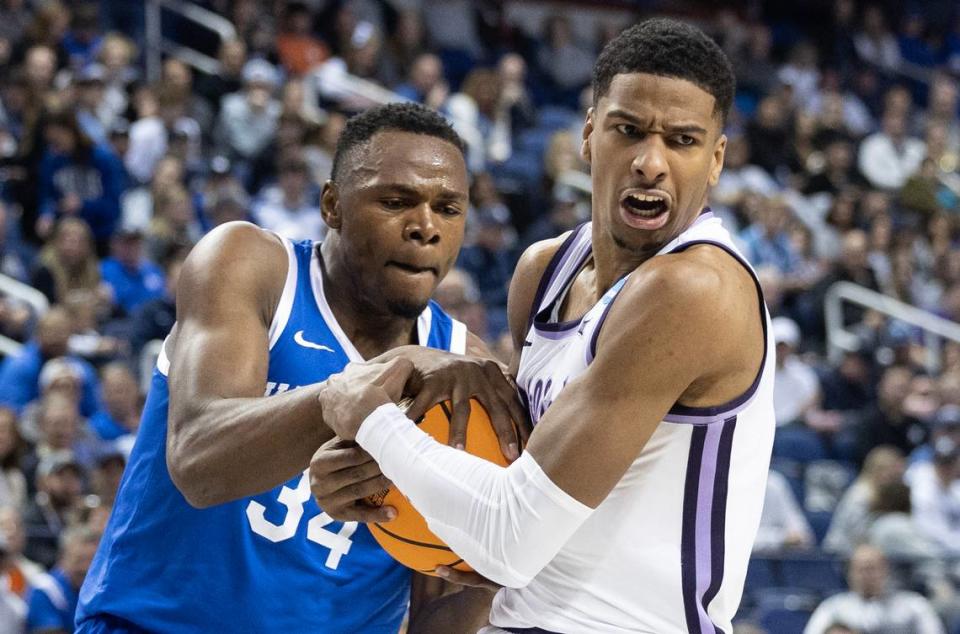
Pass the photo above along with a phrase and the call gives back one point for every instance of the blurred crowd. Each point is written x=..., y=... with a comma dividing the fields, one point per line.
x=841, y=165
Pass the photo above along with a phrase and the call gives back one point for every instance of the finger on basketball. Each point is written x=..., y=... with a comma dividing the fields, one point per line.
x=343, y=503
x=502, y=426
x=460, y=415
x=423, y=401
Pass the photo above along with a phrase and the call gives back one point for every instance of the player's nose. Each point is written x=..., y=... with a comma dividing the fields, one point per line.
x=650, y=161
x=419, y=226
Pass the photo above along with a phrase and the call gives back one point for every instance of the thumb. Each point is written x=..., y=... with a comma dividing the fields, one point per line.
x=393, y=376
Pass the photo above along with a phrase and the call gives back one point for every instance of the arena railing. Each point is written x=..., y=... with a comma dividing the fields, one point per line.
x=27, y=294
x=157, y=45
x=840, y=339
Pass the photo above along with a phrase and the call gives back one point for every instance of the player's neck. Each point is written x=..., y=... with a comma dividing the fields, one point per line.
x=371, y=331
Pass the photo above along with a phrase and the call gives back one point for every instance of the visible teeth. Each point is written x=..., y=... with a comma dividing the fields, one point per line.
x=646, y=198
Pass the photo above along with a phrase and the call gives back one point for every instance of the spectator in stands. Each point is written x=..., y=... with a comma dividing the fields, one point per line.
x=68, y=262
x=120, y=395
x=248, y=119
x=79, y=179
x=796, y=389
x=177, y=80
x=131, y=278
x=768, y=135
x=891, y=421
x=232, y=57
x=95, y=114
x=895, y=532
x=13, y=609
x=935, y=494
x=755, y=70
x=20, y=374
x=567, y=210
x=889, y=157
x=945, y=423
x=154, y=319
x=174, y=226
x=562, y=59
x=61, y=429
x=851, y=518
x=21, y=573
x=106, y=474
x=53, y=601
x=403, y=46
x=782, y=523
x=13, y=485
x=875, y=44
x=59, y=487
x=425, y=83
x=87, y=309
x=291, y=207
x=839, y=171
x=117, y=55
x=298, y=49
x=766, y=240
x=801, y=74
x=943, y=98
x=458, y=295
x=84, y=39
x=14, y=257
x=870, y=605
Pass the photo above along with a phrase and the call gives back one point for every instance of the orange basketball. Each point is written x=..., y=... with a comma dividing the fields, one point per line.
x=406, y=537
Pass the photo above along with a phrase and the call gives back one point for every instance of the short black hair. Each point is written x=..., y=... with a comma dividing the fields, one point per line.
x=669, y=48
x=403, y=117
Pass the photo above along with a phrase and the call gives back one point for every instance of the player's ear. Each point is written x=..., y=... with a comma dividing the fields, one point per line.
x=587, y=130
x=330, y=205
x=716, y=161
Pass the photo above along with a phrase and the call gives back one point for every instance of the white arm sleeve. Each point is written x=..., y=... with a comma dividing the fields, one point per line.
x=507, y=523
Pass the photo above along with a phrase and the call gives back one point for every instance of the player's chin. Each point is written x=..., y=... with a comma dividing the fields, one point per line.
x=408, y=306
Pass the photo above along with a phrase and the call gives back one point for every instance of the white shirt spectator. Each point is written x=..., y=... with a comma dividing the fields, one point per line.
x=795, y=388
x=887, y=164
x=936, y=508
x=851, y=519
x=244, y=130
x=893, y=612
x=782, y=523
x=299, y=222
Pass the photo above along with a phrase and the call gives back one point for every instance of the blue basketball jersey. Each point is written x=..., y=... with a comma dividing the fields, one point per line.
x=273, y=562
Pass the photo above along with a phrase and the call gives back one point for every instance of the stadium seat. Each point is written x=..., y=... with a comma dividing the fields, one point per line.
x=798, y=443
x=785, y=610
x=817, y=574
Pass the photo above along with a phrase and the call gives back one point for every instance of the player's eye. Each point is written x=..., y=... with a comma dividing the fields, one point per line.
x=628, y=129
x=393, y=204
x=450, y=210
x=685, y=139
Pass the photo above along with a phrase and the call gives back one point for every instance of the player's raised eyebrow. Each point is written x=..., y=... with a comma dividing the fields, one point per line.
x=682, y=128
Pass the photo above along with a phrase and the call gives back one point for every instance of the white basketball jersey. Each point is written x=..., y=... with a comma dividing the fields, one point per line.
x=667, y=550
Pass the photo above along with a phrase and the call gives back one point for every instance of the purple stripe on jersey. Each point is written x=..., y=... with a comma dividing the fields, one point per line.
x=704, y=522
x=703, y=535
x=548, y=273
x=688, y=542
x=703, y=418
x=580, y=253
x=719, y=519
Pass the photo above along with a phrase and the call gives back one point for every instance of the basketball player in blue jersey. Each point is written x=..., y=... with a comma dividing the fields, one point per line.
x=214, y=528
x=644, y=355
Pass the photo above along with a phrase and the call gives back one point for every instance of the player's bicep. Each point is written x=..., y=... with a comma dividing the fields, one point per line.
x=220, y=348
x=647, y=356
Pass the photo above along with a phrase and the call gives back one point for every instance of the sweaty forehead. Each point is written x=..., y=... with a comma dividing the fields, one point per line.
x=404, y=157
x=658, y=97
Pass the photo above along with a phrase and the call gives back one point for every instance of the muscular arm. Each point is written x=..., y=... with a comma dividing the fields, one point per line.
x=224, y=439
x=675, y=334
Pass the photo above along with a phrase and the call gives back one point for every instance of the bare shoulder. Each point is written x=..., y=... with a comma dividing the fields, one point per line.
x=700, y=304
x=526, y=279
x=236, y=263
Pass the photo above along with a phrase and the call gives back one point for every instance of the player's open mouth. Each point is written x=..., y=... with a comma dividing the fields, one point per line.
x=414, y=270
x=645, y=209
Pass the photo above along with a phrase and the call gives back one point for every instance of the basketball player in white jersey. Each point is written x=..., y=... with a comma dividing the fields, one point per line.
x=644, y=356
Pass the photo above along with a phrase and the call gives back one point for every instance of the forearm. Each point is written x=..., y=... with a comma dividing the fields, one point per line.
x=226, y=449
x=507, y=523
